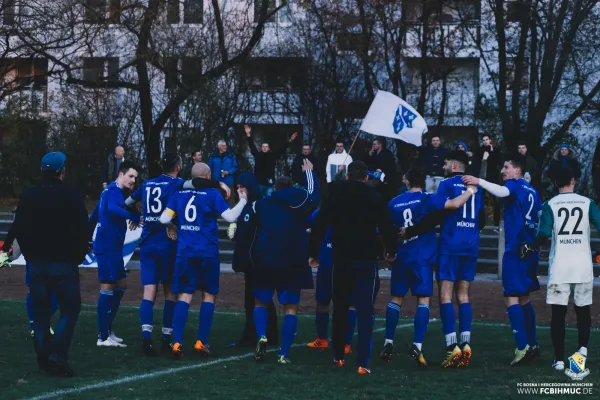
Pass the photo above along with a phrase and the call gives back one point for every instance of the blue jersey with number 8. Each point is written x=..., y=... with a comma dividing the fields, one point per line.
x=460, y=230
x=521, y=214
x=154, y=195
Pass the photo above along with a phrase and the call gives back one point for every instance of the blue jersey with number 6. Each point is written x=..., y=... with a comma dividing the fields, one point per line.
x=197, y=212
x=154, y=195
x=460, y=230
x=521, y=214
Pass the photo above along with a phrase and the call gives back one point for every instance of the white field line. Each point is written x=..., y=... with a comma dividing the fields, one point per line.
x=154, y=374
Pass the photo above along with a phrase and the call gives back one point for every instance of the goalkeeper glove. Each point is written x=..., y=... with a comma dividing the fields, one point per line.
x=231, y=230
x=526, y=249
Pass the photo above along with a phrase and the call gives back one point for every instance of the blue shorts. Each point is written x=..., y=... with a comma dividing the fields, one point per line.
x=196, y=273
x=456, y=268
x=324, y=286
x=157, y=264
x=416, y=278
x=284, y=297
x=111, y=267
x=519, y=277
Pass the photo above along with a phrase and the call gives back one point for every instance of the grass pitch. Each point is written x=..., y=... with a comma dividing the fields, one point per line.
x=231, y=373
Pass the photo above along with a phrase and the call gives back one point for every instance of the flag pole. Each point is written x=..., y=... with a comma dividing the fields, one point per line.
x=351, y=147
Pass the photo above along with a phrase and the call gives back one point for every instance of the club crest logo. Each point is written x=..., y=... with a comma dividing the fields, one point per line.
x=577, y=370
x=404, y=117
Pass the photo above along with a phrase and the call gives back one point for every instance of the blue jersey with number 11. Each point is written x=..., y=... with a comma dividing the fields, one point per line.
x=521, y=214
x=460, y=230
x=154, y=195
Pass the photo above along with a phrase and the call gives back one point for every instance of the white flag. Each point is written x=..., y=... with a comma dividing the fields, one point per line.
x=392, y=117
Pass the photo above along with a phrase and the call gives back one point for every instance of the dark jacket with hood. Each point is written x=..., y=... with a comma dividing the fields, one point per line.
x=241, y=253
x=568, y=161
x=280, y=245
x=431, y=160
x=264, y=163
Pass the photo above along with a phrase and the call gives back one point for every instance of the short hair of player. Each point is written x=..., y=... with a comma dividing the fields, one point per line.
x=416, y=177
x=283, y=182
x=459, y=156
x=170, y=161
x=126, y=166
x=516, y=160
x=563, y=177
x=357, y=171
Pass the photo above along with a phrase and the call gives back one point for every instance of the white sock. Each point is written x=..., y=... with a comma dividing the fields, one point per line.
x=450, y=339
x=419, y=345
x=388, y=341
x=583, y=351
x=465, y=337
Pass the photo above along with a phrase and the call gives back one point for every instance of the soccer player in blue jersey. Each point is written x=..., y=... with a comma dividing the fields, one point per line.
x=111, y=216
x=458, y=252
x=279, y=256
x=323, y=296
x=413, y=268
x=521, y=218
x=197, y=264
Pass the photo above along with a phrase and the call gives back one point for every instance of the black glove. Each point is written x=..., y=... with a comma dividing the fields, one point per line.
x=526, y=249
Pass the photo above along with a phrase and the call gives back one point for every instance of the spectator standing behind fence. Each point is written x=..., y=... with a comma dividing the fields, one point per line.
x=223, y=166
x=488, y=161
x=531, y=167
x=382, y=160
x=432, y=162
x=110, y=169
x=186, y=173
x=265, y=160
x=564, y=157
x=51, y=227
x=462, y=146
x=297, y=173
x=337, y=163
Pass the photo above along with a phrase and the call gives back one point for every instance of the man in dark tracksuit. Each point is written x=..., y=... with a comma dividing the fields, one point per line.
x=355, y=212
x=51, y=227
x=242, y=263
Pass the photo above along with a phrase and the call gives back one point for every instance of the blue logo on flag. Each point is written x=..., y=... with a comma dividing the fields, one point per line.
x=403, y=117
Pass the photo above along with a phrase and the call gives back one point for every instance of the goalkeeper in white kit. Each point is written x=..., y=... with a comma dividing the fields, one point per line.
x=566, y=220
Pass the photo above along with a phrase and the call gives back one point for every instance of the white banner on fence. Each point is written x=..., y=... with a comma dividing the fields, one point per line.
x=131, y=241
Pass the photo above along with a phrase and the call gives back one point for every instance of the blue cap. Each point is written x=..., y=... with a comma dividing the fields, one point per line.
x=54, y=161
x=564, y=146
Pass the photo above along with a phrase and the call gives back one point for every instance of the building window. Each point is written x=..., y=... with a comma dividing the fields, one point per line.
x=173, y=11
x=171, y=73
x=96, y=11
x=22, y=73
x=274, y=74
x=192, y=11
x=283, y=16
x=517, y=11
x=191, y=71
x=8, y=12
x=98, y=69
x=446, y=12
x=511, y=84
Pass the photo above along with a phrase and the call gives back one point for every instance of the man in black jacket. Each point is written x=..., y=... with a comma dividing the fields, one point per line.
x=297, y=173
x=265, y=160
x=382, y=160
x=51, y=228
x=355, y=212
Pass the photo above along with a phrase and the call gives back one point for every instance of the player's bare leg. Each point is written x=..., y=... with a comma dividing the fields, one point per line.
x=392, y=316
x=465, y=317
x=453, y=353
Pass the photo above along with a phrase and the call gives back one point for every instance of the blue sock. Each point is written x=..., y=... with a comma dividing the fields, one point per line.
x=117, y=296
x=517, y=322
x=104, y=310
x=179, y=319
x=448, y=323
x=288, y=332
x=392, y=316
x=168, y=312
x=421, y=323
x=351, y=326
x=29, y=310
x=465, y=317
x=146, y=318
x=207, y=310
x=54, y=305
x=322, y=320
x=529, y=314
x=261, y=318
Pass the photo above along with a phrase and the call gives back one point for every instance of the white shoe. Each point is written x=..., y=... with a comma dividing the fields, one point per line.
x=115, y=337
x=109, y=343
x=558, y=365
